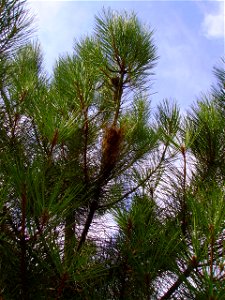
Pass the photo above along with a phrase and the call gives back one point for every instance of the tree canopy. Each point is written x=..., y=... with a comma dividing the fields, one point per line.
x=84, y=144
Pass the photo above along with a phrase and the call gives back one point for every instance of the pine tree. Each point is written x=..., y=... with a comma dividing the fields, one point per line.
x=83, y=144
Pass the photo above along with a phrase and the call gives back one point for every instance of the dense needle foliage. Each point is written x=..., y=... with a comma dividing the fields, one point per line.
x=84, y=145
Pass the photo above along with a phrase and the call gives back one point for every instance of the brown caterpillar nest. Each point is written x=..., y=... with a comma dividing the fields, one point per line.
x=111, y=145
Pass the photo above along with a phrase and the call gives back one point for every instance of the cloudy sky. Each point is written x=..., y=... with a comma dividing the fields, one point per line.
x=189, y=36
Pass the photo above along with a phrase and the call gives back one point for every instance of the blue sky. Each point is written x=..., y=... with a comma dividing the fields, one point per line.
x=189, y=36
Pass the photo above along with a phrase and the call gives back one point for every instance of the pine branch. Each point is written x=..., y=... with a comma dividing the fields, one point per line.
x=179, y=281
x=93, y=208
x=186, y=273
x=134, y=189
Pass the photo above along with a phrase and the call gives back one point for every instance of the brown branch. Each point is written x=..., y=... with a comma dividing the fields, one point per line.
x=54, y=141
x=94, y=205
x=117, y=98
x=93, y=208
x=62, y=285
x=15, y=122
x=176, y=285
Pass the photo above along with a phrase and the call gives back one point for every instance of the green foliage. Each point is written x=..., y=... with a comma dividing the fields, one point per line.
x=219, y=90
x=84, y=145
x=127, y=46
x=14, y=25
x=208, y=148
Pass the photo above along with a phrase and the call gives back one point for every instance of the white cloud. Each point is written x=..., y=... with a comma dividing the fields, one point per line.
x=213, y=24
x=58, y=23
